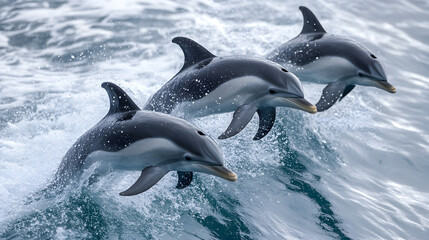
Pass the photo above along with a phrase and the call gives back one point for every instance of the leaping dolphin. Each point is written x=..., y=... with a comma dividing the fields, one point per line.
x=131, y=139
x=317, y=56
x=207, y=85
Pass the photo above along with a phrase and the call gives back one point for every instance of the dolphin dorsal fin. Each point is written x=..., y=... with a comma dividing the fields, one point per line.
x=193, y=51
x=311, y=24
x=119, y=99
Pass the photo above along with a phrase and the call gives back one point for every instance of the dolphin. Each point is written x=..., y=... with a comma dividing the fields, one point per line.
x=131, y=139
x=208, y=84
x=317, y=56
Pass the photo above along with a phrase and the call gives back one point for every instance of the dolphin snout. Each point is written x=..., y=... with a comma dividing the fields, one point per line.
x=378, y=78
x=385, y=85
x=302, y=104
x=221, y=171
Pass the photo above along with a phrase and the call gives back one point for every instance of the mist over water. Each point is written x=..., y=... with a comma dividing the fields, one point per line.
x=356, y=171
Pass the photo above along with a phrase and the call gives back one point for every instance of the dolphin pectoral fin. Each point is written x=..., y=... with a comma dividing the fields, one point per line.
x=330, y=95
x=149, y=177
x=184, y=179
x=240, y=119
x=267, y=117
x=348, y=89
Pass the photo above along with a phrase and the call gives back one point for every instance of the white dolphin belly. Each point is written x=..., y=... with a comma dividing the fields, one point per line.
x=325, y=70
x=137, y=156
x=225, y=98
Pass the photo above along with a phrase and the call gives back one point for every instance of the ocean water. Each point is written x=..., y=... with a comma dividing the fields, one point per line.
x=357, y=171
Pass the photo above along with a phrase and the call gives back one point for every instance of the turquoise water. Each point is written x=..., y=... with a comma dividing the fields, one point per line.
x=357, y=171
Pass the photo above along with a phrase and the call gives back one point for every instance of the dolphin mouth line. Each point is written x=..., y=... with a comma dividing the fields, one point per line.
x=381, y=83
x=222, y=172
x=386, y=86
x=302, y=104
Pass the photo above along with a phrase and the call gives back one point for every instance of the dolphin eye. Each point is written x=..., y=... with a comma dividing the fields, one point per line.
x=201, y=133
x=373, y=56
x=284, y=70
x=188, y=158
x=272, y=91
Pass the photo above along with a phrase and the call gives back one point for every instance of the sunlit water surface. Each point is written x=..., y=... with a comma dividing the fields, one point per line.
x=359, y=170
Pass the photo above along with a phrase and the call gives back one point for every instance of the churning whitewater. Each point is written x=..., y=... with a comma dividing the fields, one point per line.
x=357, y=170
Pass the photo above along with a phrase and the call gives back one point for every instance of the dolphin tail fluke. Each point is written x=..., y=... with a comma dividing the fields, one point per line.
x=149, y=177
x=184, y=179
x=267, y=117
x=240, y=119
x=330, y=95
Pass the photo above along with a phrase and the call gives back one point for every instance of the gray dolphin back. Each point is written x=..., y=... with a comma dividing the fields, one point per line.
x=203, y=72
x=183, y=88
x=98, y=137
